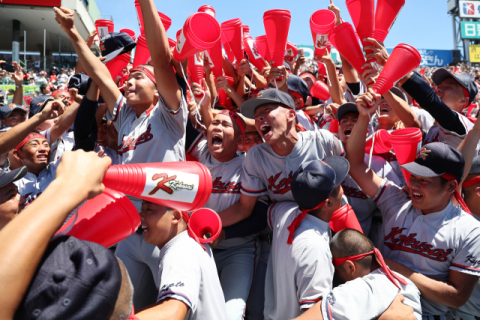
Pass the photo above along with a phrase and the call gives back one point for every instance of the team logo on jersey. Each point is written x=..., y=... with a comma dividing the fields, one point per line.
x=409, y=243
x=423, y=154
x=283, y=186
x=225, y=187
x=166, y=287
x=168, y=184
x=353, y=192
x=131, y=144
x=473, y=260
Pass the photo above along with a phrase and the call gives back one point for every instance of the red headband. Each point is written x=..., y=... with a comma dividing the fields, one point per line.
x=299, y=96
x=390, y=275
x=296, y=222
x=192, y=235
x=59, y=91
x=149, y=74
x=235, y=117
x=471, y=182
x=31, y=136
x=465, y=92
x=457, y=195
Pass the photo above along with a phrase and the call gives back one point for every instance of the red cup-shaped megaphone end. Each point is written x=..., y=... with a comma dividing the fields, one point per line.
x=117, y=64
x=292, y=51
x=232, y=32
x=344, y=218
x=166, y=21
x=200, y=32
x=343, y=37
x=131, y=33
x=334, y=126
x=277, y=25
x=322, y=23
x=363, y=16
x=262, y=46
x=104, y=27
x=405, y=144
x=320, y=91
x=382, y=142
x=172, y=43
x=195, y=68
x=106, y=219
x=207, y=9
x=385, y=16
x=205, y=224
x=142, y=54
x=179, y=185
x=253, y=53
x=403, y=59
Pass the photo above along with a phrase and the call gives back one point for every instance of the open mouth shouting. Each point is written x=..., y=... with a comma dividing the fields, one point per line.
x=384, y=109
x=217, y=140
x=347, y=132
x=265, y=129
x=416, y=196
x=42, y=157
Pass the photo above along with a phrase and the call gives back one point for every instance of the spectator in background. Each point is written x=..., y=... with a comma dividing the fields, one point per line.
x=40, y=79
x=62, y=78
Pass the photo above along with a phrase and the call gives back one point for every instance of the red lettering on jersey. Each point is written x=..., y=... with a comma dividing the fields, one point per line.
x=388, y=156
x=225, y=187
x=131, y=144
x=324, y=120
x=283, y=186
x=161, y=184
x=409, y=243
x=353, y=192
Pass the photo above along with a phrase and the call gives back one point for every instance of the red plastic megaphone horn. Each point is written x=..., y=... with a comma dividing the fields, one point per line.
x=252, y=51
x=117, y=64
x=215, y=59
x=382, y=142
x=262, y=46
x=104, y=27
x=344, y=218
x=106, y=219
x=166, y=21
x=207, y=9
x=180, y=185
x=343, y=38
x=385, y=16
x=131, y=33
x=228, y=50
x=232, y=31
x=322, y=23
x=277, y=24
x=205, y=224
x=405, y=143
x=200, y=32
x=320, y=91
x=195, y=68
x=142, y=54
x=363, y=17
x=403, y=60
x=292, y=51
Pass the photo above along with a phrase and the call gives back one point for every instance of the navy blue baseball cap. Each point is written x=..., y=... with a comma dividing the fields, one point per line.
x=81, y=82
x=7, y=177
x=36, y=104
x=315, y=180
x=466, y=80
x=436, y=159
x=7, y=109
x=75, y=279
x=116, y=43
x=297, y=84
x=268, y=96
x=346, y=108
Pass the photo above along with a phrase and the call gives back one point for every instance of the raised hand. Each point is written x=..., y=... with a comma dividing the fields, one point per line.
x=65, y=18
x=17, y=74
x=379, y=52
x=52, y=110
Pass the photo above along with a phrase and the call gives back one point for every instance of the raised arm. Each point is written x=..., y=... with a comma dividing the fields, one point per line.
x=369, y=182
x=468, y=148
x=92, y=66
x=336, y=92
x=403, y=110
x=64, y=122
x=159, y=48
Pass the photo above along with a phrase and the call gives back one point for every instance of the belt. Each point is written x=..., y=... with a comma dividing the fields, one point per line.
x=266, y=237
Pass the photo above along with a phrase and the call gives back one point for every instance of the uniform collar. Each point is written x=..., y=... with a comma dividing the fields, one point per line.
x=178, y=239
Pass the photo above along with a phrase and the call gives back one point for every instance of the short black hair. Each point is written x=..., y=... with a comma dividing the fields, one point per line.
x=350, y=242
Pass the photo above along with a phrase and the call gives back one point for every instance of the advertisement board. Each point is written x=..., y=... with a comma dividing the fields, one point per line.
x=433, y=58
x=469, y=9
x=470, y=30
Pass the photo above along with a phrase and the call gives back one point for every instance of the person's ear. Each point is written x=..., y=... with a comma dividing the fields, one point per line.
x=477, y=192
x=241, y=139
x=176, y=216
x=328, y=202
x=17, y=154
x=452, y=186
x=350, y=267
x=291, y=116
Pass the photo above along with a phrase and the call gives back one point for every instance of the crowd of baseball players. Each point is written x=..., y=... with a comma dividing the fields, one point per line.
x=278, y=176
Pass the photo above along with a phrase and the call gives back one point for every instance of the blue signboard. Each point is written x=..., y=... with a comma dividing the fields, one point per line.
x=434, y=58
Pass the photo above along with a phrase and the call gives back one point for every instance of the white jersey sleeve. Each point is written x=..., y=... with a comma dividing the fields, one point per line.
x=467, y=259
x=199, y=148
x=390, y=198
x=331, y=144
x=252, y=185
x=173, y=121
x=120, y=112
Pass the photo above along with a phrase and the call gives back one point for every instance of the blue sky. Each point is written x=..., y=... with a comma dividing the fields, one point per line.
x=423, y=24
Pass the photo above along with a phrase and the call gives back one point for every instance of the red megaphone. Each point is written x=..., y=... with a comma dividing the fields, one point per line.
x=215, y=59
x=277, y=24
x=172, y=43
x=232, y=31
x=104, y=27
x=195, y=68
x=320, y=91
x=382, y=142
x=322, y=23
x=222, y=95
x=117, y=64
x=166, y=21
x=207, y=9
x=403, y=60
x=106, y=219
x=385, y=16
x=245, y=30
x=343, y=38
x=228, y=50
x=363, y=17
x=252, y=51
x=334, y=127
x=205, y=224
x=131, y=33
x=200, y=32
x=292, y=51
x=142, y=54
x=179, y=185
x=263, y=49
x=405, y=144
x=344, y=218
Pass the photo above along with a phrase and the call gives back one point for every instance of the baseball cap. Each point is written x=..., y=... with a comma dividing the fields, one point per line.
x=74, y=280
x=7, y=177
x=297, y=84
x=315, y=180
x=346, y=108
x=268, y=96
x=36, y=104
x=399, y=93
x=116, y=43
x=436, y=159
x=7, y=109
x=466, y=80
x=81, y=82
x=475, y=168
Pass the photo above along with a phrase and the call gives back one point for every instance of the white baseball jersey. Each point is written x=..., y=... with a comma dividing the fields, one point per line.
x=188, y=273
x=360, y=202
x=368, y=297
x=306, y=121
x=267, y=173
x=425, y=118
x=158, y=135
x=227, y=177
x=66, y=142
x=431, y=244
x=324, y=121
x=31, y=186
x=297, y=274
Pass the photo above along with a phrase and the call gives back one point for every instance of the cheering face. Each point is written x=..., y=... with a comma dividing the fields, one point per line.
x=346, y=126
x=271, y=122
x=11, y=203
x=34, y=154
x=15, y=117
x=223, y=137
x=451, y=93
x=297, y=100
x=139, y=90
x=65, y=97
x=385, y=113
x=251, y=139
x=156, y=221
x=428, y=194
